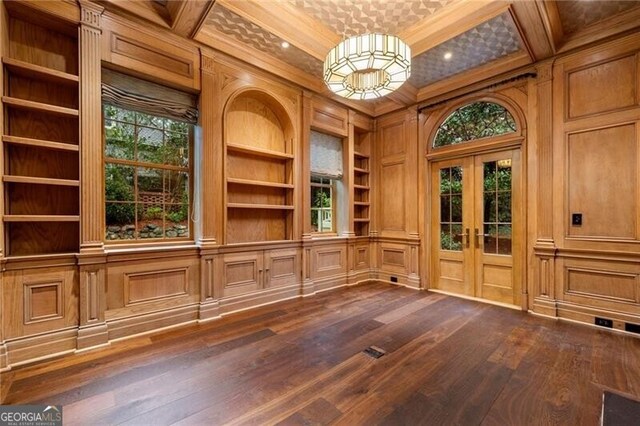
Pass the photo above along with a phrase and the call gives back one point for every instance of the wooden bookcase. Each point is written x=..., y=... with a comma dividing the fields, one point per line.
x=361, y=182
x=40, y=137
x=259, y=170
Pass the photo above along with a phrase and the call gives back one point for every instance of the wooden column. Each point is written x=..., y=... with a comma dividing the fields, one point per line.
x=413, y=194
x=92, y=259
x=543, y=282
x=209, y=185
x=349, y=175
x=3, y=348
x=305, y=187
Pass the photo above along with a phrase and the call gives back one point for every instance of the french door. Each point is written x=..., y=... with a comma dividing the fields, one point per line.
x=477, y=235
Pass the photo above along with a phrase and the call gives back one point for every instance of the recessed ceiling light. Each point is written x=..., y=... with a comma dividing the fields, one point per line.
x=448, y=56
x=284, y=44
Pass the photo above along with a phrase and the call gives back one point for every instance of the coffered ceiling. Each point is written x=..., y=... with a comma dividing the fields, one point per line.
x=454, y=42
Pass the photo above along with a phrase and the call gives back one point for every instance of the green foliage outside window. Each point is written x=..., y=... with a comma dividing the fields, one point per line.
x=474, y=121
x=146, y=175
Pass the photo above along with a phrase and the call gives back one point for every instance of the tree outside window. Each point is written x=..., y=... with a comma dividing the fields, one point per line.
x=146, y=176
x=322, y=204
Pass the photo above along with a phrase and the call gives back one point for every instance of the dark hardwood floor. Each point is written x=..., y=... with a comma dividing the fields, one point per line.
x=448, y=361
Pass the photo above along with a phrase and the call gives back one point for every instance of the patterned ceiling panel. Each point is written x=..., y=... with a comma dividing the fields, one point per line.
x=486, y=42
x=576, y=14
x=231, y=24
x=353, y=17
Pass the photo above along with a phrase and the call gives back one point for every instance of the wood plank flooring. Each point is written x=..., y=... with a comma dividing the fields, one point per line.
x=448, y=361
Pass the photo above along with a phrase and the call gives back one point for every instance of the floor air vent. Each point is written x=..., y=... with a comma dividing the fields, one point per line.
x=374, y=352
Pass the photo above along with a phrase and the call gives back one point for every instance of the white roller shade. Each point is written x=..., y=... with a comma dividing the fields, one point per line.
x=326, y=155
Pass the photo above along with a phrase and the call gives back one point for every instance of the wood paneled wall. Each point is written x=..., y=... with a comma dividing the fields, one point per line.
x=580, y=118
x=592, y=269
x=398, y=191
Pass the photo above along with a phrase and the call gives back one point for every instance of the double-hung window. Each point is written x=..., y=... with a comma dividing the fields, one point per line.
x=147, y=157
x=326, y=175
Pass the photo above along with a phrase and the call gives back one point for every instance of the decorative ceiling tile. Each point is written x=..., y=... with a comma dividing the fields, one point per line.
x=576, y=14
x=225, y=21
x=491, y=40
x=354, y=17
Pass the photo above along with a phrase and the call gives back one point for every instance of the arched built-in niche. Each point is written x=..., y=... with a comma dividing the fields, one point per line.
x=259, y=139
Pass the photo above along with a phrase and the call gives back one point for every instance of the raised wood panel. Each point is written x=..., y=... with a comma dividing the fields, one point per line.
x=498, y=276
x=242, y=273
x=329, y=261
x=141, y=287
x=283, y=267
x=39, y=300
x=451, y=270
x=392, y=184
x=603, y=284
x=603, y=182
x=330, y=118
x=394, y=257
x=394, y=139
x=151, y=54
x=43, y=301
x=602, y=87
x=361, y=257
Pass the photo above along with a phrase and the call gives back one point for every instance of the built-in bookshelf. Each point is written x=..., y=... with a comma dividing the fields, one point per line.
x=361, y=182
x=40, y=137
x=259, y=170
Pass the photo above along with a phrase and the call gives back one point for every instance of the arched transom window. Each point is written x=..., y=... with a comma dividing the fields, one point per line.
x=474, y=121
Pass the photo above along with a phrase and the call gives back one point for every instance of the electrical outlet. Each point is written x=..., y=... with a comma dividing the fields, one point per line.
x=633, y=328
x=576, y=219
x=604, y=322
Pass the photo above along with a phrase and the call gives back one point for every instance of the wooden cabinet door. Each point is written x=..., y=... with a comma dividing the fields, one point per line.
x=282, y=267
x=242, y=273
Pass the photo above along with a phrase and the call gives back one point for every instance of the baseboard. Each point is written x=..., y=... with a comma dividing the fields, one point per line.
x=477, y=299
x=37, y=348
x=149, y=322
x=258, y=298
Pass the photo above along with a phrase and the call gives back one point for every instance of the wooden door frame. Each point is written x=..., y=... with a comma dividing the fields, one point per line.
x=488, y=146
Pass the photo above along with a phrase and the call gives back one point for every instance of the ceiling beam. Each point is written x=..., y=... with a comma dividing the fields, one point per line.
x=617, y=24
x=288, y=23
x=187, y=16
x=531, y=26
x=449, y=22
x=146, y=9
x=552, y=23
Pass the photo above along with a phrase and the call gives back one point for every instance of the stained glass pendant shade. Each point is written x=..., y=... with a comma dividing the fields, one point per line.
x=367, y=66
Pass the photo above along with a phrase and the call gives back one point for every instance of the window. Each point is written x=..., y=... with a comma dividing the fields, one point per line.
x=474, y=121
x=322, y=204
x=147, y=173
x=326, y=172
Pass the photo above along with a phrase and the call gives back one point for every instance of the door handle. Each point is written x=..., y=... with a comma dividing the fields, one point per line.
x=465, y=237
x=478, y=235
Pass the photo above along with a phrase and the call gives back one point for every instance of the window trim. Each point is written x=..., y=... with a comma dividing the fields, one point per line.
x=333, y=190
x=148, y=242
